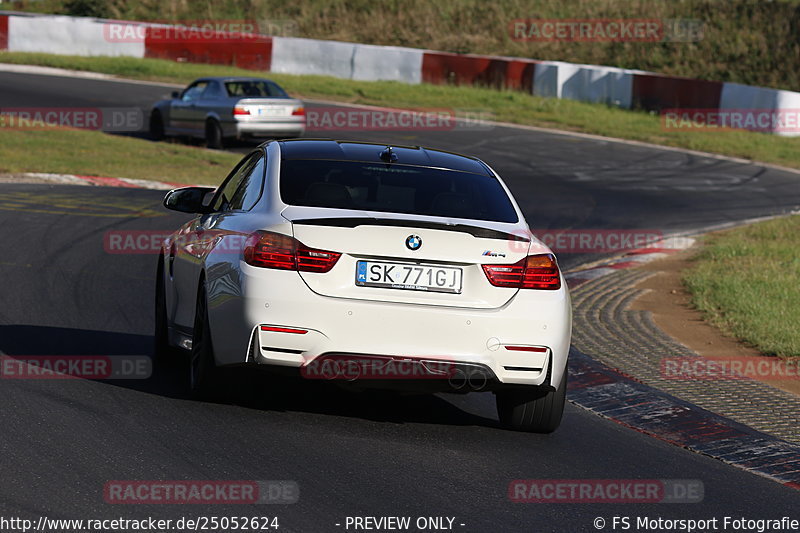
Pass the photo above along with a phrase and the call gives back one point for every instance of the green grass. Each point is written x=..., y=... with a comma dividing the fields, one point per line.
x=747, y=282
x=93, y=153
x=505, y=106
x=746, y=41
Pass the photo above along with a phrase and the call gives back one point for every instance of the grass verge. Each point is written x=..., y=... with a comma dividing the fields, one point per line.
x=505, y=106
x=93, y=153
x=747, y=282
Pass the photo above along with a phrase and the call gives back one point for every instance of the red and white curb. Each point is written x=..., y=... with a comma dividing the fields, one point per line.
x=623, y=399
x=76, y=179
x=633, y=258
x=611, y=394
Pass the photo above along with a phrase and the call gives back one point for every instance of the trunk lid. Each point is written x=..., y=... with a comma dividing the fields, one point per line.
x=447, y=262
x=267, y=109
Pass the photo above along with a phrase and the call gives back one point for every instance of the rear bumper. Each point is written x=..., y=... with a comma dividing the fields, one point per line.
x=270, y=128
x=401, y=373
x=408, y=331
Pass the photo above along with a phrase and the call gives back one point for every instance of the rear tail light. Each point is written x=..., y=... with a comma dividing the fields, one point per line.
x=538, y=349
x=278, y=329
x=533, y=272
x=266, y=249
x=239, y=110
x=299, y=111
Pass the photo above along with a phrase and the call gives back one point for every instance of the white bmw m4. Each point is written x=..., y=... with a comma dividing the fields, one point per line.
x=384, y=266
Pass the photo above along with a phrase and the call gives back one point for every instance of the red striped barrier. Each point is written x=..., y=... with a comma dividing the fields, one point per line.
x=619, y=87
x=467, y=69
x=252, y=52
x=654, y=93
x=3, y=32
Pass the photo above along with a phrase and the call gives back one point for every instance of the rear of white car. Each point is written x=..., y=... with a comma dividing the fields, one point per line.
x=354, y=308
x=404, y=267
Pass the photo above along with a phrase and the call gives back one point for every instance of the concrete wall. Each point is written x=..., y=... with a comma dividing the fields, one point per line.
x=585, y=83
x=654, y=92
x=783, y=104
x=3, y=32
x=68, y=36
x=292, y=55
x=376, y=63
x=220, y=48
x=624, y=88
x=485, y=71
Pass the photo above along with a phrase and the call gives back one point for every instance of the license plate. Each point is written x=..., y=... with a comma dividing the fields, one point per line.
x=273, y=111
x=408, y=277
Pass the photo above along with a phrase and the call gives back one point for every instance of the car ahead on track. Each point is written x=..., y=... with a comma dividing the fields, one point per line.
x=216, y=109
x=393, y=267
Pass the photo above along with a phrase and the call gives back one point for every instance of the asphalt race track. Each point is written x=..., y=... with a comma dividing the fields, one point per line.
x=352, y=454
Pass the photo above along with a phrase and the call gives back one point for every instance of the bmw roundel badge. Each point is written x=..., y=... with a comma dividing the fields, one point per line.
x=414, y=242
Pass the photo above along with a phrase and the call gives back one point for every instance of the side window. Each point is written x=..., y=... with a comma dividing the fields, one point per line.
x=228, y=188
x=275, y=91
x=194, y=91
x=242, y=189
x=214, y=91
x=249, y=190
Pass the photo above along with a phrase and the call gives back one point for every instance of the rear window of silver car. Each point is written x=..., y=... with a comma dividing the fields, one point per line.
x=255, y=89
x=395, y=188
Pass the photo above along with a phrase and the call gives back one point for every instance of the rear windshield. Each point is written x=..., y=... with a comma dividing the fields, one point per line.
x=395, y=189
x=255, y=88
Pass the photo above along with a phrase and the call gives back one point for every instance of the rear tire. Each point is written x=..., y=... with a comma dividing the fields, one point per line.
x=203, y=371
x=156, y=126
x=214, y=137
x=532, y=410
x=162, y=351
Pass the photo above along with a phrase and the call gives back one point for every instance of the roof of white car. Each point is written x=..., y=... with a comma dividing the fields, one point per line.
x=329, y=149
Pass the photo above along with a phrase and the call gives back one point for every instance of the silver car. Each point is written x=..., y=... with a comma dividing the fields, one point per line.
x=216, y=109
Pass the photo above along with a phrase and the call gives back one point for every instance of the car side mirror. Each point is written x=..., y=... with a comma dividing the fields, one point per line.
x=190, y=199
x=175, y=94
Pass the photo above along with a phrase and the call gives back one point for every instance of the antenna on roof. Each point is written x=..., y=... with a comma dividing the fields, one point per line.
x=388, y=155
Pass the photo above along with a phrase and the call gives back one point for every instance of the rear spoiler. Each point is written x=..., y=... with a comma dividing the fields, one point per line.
x=352, y=222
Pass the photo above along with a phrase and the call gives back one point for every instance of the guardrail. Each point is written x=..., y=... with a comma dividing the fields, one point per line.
x=624, y=88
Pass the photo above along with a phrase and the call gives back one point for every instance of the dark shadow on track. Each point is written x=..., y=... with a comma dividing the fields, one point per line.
x=252, y=388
